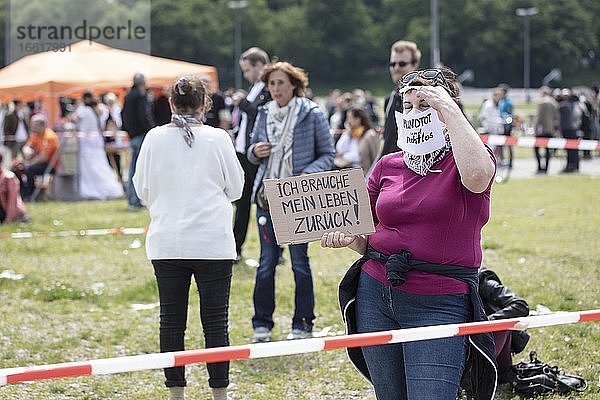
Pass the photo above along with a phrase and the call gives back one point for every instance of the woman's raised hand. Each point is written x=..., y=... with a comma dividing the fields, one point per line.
x=437, y=97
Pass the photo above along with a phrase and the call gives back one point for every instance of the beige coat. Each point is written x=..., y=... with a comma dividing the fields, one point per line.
x=547, y=122
x=368, y=147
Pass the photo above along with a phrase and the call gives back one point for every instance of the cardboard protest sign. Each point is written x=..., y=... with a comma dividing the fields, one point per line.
x=305, y=207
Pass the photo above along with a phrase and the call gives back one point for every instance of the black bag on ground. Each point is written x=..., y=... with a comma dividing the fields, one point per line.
x=536, y=378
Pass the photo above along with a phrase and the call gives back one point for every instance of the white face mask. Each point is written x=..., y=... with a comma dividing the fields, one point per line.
x=420, y=132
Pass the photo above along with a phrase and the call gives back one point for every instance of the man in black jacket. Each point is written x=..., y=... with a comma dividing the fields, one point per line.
x=252, y=62
x=500, y=302
x=405, y=57
x=16, y=129
x=137, y=121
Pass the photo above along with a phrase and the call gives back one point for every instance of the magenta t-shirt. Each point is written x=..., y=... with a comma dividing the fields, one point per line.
x=434, y=217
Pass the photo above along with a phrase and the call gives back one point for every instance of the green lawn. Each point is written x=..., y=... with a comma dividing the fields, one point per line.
x=75, y=300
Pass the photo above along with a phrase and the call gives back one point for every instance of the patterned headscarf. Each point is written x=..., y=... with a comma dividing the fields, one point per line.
x=421, y=164
x=183, y=121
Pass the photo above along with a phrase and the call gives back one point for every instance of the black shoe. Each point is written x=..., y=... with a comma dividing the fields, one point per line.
x=281, y=260
x=238, y=258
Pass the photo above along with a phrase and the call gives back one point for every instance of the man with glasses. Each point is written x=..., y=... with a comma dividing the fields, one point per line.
x=404, y=58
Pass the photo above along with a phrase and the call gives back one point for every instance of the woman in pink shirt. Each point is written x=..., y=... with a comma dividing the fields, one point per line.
x=429, y=202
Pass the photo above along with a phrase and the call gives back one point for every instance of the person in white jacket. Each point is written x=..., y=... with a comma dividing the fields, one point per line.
x=489, y=114
x=187, y=174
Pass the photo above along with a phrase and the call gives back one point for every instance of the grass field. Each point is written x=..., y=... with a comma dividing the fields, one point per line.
x=75, y=300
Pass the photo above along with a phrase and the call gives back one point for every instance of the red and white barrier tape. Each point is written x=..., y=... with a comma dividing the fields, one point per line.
x=83, y=232
x=120, y=134
x=531, y=141
x=105, y=366
x=551, y=143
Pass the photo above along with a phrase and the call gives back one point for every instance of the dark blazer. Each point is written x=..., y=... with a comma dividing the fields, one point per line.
x=11, y=122
x=390, y=130
x=251, y=110
x=136, y=114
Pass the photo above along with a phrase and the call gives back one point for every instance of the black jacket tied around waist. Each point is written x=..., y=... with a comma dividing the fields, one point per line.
x=480, y=375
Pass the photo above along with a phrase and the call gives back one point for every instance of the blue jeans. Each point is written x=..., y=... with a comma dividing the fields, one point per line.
x=134, y=144
x=213, y=280
x=428, y=369
x=31, y=171
x=264, y=288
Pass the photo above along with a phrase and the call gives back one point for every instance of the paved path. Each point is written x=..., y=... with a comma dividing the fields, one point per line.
x=525, y=168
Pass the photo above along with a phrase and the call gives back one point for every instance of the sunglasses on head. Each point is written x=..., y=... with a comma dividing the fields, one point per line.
x=400, y=64
x=434, y=75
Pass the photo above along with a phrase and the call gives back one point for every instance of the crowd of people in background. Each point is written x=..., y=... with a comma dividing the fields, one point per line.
x=560, y=113
x=108, y=125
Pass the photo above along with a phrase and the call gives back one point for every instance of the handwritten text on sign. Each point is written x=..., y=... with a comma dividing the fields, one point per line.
x=304, y=207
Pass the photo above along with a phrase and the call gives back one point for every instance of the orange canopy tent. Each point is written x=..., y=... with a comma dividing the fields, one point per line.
x=90, y=66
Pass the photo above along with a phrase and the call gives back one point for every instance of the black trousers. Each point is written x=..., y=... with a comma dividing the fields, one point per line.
x=572, y=154
x=213, y=280
x=242, y=210
x=538, y=155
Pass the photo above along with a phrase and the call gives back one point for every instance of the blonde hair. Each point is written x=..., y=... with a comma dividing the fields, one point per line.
x=405, y=45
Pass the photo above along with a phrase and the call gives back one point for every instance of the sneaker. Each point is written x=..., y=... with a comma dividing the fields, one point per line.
x=261, y=334
x=299, y=334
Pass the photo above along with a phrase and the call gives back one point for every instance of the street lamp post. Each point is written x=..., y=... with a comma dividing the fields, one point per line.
x=435, y=34
x=526, y=13
x=236, y=6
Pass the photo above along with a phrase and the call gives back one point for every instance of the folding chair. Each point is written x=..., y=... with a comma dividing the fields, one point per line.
x=46, y=181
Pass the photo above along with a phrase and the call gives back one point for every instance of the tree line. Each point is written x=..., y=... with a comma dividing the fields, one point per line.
x=346, y=42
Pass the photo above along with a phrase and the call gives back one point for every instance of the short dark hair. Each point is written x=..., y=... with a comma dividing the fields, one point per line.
x=255, y=55
x=504, y=87
x=190, y=95
x=361, y=113
x=139, y=79
x=88, y=99
x=451, y=86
